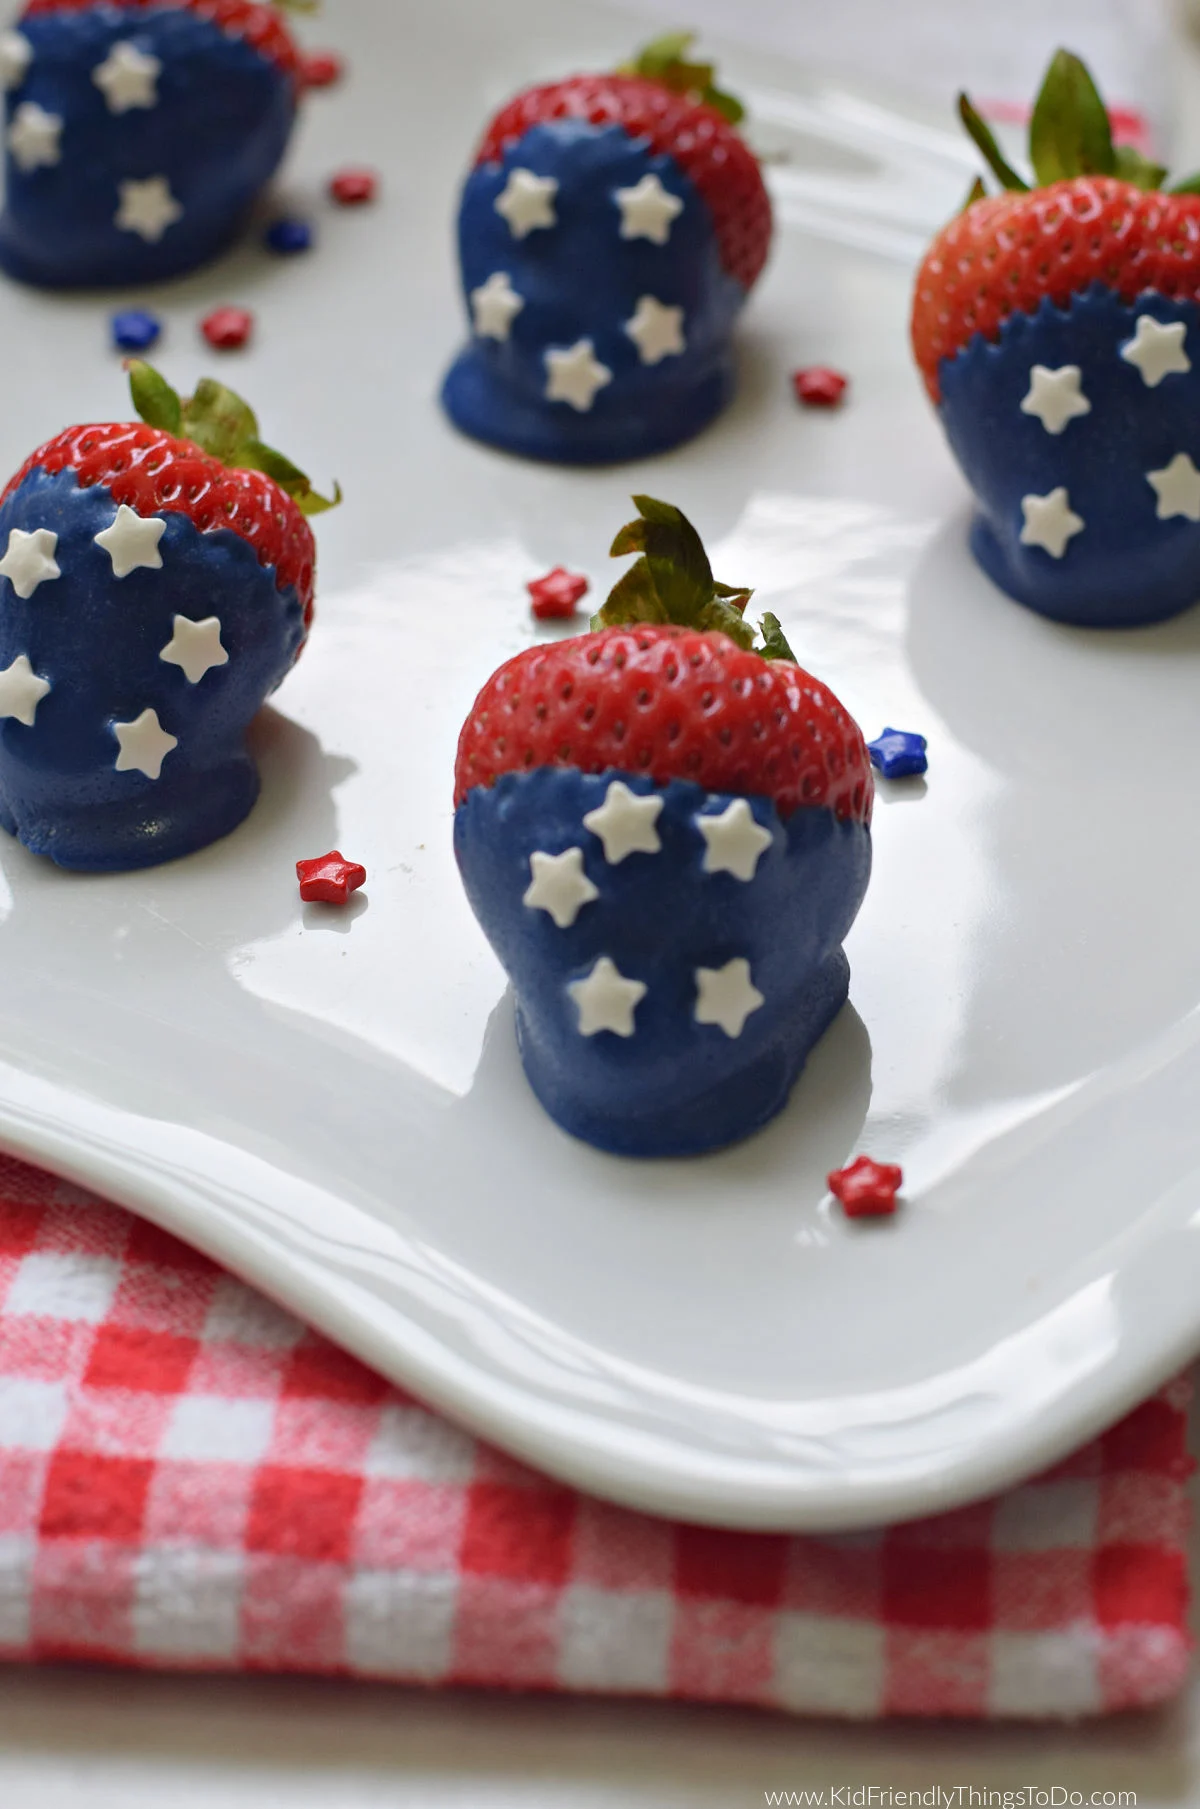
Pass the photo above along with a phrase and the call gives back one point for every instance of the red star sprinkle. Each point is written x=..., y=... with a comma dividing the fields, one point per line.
x=322, y=69
x=227, y=328
x=866, y=1189
x=818, y=386
x=555, y=595
x=352, y=187
x=329, y=879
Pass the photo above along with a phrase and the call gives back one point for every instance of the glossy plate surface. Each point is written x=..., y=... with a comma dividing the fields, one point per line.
x=332, y=1103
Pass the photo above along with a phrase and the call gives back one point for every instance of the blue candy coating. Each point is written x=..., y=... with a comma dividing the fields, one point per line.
x=217, y=133
x=581, y=280
x=133, y=330
x=288, y=236
x=675, y=1087
x=1127, y=567
x=97, y=639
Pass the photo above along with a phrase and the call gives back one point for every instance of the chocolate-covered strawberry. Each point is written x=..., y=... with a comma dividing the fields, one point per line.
x=664, y=832
x=1057, y=327
x=609, y=234
x=139, y=133
x=156, y=584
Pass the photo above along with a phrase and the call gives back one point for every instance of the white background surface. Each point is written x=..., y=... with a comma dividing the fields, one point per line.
x=112, y=1741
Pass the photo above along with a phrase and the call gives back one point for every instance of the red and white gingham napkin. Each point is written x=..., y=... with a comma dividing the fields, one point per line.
x=189, y=1478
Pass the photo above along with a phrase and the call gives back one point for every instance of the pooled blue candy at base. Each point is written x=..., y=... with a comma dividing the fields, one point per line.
x=676, y=1086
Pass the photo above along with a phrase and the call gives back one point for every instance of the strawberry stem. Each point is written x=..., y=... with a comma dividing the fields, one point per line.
x=672, y=581
x=1070, y=134
x=666, y=60
x=221, y=424
x=1069, y=130
x=982, y=134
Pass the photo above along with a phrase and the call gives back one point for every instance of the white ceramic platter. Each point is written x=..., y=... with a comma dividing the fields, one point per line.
x=332, y=1104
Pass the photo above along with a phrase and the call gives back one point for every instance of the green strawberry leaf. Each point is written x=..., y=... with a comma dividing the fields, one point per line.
x=976, y=192
x=672, y=580
x=673, y=555
x=1141, y=171
x=219, y=421
x=660, y=53
x=774, y=642
x=725, y=619
x=665, y=60
x=985, y=141
x=1190, y=185
x=221, y=424
x=156, y=402
x=1070, y=133
x=258, y=457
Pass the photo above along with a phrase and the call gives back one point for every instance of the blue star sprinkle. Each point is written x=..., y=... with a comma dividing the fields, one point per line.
x=285, y=237
x=133, y=330
x=897, y=754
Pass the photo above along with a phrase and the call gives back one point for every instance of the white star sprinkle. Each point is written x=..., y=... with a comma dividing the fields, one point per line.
x=33, y=137
x=1177, y=486
x=29, y=560
x=147, y=208
x=1157, y=350
x=16, y=54
x=656, y=329
x=195, y=647
x=575, y=375
x=495, y=305
x=132, y=541
x=726, y=995
x=1050, y=521
x=145, y=744
x=648, y=210
x=1055, y=396
x=625, y=823
x=21, y=690
x=606, y=1000
x=527, y=202
x=559, y=885
x=736, y=841
x=128, y=78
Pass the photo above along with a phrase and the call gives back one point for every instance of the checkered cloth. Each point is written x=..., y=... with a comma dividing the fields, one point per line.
x=189, y=1478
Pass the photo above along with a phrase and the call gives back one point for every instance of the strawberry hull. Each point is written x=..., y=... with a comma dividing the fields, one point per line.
x=208, y=132
x=1079, y=432
x=70, y=787
x=759, y=948
x=657, y=317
